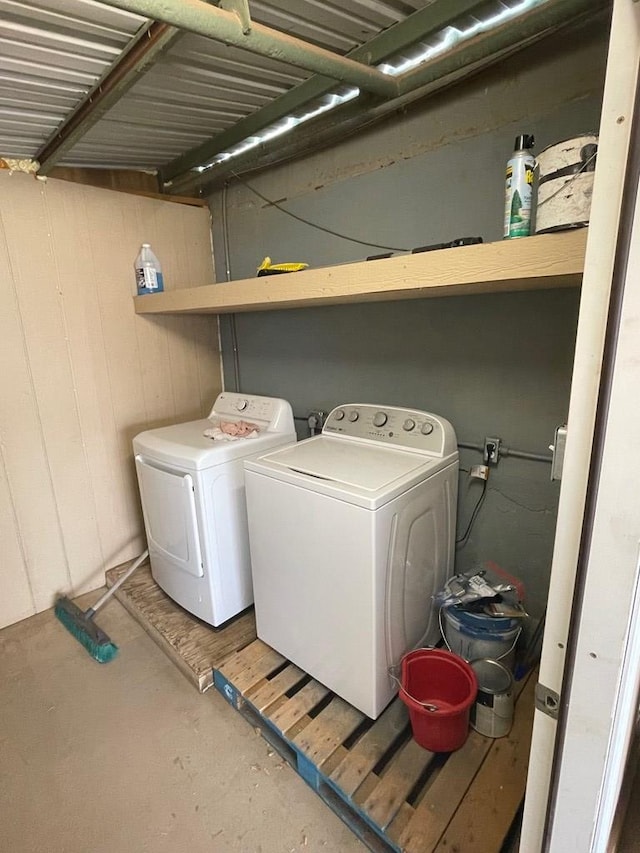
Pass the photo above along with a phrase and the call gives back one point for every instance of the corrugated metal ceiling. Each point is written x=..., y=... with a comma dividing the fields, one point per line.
x=198, y=88
x=53, y=52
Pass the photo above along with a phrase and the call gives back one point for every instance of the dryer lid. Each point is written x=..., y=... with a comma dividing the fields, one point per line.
x=185, y=445
x=362, y=466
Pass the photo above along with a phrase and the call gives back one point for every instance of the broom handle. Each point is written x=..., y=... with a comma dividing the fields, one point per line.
x=104, y=598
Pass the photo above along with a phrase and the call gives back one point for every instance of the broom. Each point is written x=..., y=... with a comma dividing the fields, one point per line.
x=80, y=622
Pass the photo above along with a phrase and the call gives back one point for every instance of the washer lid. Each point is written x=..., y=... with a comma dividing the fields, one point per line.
x=362, y=466
x=364, y=474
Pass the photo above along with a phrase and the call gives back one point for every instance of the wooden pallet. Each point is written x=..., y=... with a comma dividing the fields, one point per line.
x=395, y=795
x=195, y=647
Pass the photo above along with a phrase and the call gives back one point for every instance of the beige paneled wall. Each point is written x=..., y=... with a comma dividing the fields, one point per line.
x=82, y=374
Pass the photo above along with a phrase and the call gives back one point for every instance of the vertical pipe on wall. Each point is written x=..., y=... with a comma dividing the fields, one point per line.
x=227, y=270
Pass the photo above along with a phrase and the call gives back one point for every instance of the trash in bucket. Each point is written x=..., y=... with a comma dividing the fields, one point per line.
x=481, y=614
x=439, y=689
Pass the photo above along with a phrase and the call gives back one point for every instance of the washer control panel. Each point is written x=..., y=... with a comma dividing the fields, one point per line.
x=408, y=428
x=270, y=411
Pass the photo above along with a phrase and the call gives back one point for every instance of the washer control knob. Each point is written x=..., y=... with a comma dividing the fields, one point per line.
x=339, y=415
x=409, y=424
x=353, y=416
x=427, y=428
x=241, y=405
x=380, y=419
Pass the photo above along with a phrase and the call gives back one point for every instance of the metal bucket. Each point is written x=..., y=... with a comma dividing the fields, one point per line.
x=492, y=713
x=565, y=183
x=475, y=636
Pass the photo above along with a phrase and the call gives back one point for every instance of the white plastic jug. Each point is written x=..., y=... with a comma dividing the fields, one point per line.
x=148, y=271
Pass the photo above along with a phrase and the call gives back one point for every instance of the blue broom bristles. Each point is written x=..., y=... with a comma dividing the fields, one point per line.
x=84, y=629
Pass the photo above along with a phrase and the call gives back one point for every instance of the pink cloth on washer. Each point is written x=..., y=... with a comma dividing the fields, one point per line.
x=239, y=428
x=232, y=430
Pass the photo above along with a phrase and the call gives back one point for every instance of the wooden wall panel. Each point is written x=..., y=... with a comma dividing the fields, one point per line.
x=182, y=354
x=83, y=374
x=26, y=462
x=89, y=356
x=18, y=601
x=42, y=301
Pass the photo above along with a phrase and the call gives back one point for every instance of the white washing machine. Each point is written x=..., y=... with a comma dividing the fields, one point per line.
x=351, y=533
x=193, y=502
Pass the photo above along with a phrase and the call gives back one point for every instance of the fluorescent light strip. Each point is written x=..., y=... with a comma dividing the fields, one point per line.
x=283, y=126
x=449, y=38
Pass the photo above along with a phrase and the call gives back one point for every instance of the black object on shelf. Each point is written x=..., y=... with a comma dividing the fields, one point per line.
x=452, y=244
x=460, y=241
x=380, y=257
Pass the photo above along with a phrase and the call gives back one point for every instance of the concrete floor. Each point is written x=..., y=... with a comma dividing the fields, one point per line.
x=128, y=757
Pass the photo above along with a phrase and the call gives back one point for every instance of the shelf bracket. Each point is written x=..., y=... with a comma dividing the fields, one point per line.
x=240, y=8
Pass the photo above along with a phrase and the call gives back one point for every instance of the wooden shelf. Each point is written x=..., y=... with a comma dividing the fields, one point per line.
x=532, y=263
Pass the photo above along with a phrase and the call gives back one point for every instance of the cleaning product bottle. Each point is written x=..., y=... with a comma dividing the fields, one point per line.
x=519, y=188
x=148, y=271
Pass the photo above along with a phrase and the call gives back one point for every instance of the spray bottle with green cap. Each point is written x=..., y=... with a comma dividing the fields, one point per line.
x=519, y=188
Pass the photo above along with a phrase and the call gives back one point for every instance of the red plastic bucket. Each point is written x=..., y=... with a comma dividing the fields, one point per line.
x=439, y=689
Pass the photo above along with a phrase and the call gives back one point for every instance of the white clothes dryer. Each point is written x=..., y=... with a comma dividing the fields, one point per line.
x=351, y=533
x=193, y=502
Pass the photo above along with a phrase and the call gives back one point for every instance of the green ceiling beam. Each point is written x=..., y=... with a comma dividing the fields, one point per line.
x=196, y=16
x=418, y=26
x=135, y=60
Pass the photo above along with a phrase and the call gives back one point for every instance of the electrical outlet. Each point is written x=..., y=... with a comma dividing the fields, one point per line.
x=491, y=452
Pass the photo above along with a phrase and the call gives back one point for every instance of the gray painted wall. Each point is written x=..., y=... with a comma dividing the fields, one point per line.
x=493, y=365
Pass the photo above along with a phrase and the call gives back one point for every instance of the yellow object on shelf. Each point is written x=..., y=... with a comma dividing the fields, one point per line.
x=267, y=268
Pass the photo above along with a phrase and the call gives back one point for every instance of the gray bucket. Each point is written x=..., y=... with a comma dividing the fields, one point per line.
x=475, y=636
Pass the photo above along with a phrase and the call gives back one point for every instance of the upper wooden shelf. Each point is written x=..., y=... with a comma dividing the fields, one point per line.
x=530, y=263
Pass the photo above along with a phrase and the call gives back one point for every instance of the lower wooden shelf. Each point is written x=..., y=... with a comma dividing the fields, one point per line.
x=195, y=647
